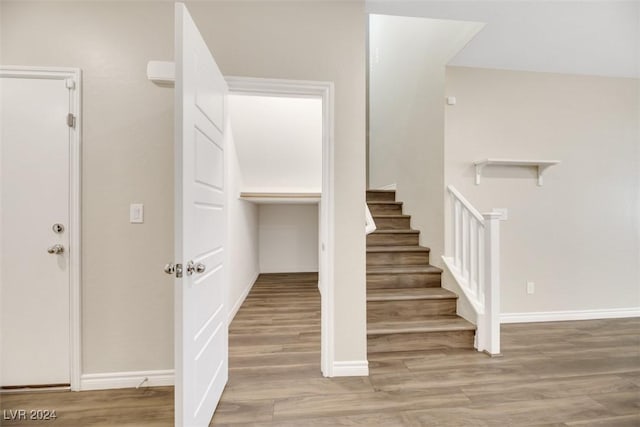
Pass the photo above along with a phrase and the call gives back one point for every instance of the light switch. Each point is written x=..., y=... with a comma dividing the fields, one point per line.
x=136, y=213
x=451, y=100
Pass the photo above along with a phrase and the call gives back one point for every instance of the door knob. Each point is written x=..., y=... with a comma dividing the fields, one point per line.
x=56, y=249
x=195, y=268
x=173, y=268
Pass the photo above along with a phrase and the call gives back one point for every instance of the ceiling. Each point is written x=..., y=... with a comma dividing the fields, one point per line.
x=575, y=37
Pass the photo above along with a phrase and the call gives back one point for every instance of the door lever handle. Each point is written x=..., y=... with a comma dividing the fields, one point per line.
x=56, y=249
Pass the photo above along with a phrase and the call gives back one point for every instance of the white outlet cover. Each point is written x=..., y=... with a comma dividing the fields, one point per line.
x=136, y=213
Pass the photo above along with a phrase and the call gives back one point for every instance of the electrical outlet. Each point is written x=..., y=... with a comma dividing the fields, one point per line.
x=531, y=288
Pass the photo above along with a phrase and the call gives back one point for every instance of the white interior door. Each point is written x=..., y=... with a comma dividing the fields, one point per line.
x=201, y=332
x=34, y=287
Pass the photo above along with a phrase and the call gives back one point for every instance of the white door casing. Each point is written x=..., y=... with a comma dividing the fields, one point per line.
x=324, y=91
x=201, y=330
x=39, y=291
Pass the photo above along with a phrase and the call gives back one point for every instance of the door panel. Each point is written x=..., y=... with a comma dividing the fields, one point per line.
x=200, y=314
x=35, y=195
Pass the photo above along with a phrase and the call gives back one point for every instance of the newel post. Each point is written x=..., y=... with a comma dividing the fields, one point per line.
x=492, y=283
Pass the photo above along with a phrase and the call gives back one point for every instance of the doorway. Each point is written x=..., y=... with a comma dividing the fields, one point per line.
x=323, y=91
x=40, y=227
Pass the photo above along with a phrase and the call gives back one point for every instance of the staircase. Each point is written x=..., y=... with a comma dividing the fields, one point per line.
x=407, y=309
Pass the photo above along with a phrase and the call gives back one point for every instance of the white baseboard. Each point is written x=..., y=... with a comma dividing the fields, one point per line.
x=290, y=269
x=234, y=310
x=129, y=379
x=351, y=368
x=556, y=316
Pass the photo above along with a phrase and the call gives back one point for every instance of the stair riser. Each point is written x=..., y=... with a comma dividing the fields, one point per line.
x=409, y=310
x=398, y=258
x=414, y=280
x=420, y=341
x=381, y=196
x=393, y=223
x=387, y=209
x=401, y=239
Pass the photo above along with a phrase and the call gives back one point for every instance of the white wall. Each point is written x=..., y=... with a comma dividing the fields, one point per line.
x=578, y=236
x=406, y=114
x=128, y=147
x=279, y=142
x=242, y=218
x=322, y=41
x=573, y=37
x=288, y=238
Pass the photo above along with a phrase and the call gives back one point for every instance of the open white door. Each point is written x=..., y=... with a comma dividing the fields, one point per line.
x=201, y=331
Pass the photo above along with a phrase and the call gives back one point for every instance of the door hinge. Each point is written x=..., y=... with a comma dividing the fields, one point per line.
x=70, y=84
x=71, y=120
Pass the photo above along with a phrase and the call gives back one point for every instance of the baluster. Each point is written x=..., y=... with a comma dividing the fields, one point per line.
x=473, y=251
x=465, y=242
x=457, y=233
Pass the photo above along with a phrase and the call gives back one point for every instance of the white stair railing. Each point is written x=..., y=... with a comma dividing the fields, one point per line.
x=473, y=257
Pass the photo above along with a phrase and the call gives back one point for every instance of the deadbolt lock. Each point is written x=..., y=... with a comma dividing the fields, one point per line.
x=58, y=228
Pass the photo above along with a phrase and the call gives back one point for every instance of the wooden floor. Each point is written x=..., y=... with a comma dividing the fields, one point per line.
x=552, y=374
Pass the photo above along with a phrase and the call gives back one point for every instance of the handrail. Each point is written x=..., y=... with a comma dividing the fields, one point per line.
x=370, y=224
x=473, y=257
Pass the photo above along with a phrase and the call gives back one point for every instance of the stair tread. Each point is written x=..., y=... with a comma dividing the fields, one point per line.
x=406, y=231
x=377, y=190
x=435, y=324
x=391, y=216
x=383, y=202
x=405, y=294
x=412, y=248
x=402, y=269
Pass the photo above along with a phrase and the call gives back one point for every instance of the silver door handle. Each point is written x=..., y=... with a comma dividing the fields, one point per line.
x=56, y=249
x=173, y=268
x=195, y=268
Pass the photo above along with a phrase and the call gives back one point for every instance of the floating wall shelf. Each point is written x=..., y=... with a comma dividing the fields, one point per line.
x=540, y=165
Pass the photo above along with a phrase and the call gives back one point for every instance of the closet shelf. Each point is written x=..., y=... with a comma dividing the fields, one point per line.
x=540, y=165
x=290, y=198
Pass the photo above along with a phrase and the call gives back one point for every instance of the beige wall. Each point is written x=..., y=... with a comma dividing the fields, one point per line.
x=127, y=301
x=288, y=238
x=406, y=104
x=578, y=236
x=127, y=147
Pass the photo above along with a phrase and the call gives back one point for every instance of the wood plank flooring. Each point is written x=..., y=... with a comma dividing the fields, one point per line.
x=551, y=374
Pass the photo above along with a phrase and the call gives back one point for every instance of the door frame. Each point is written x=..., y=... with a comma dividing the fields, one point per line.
x=73, y=79
x=326, y=283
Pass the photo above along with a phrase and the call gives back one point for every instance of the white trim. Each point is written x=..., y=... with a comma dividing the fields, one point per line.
x=351, y=368
x=131, y=379
x=557, y=316
x=234, y=310
x=325, y=91
x=75, y=178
